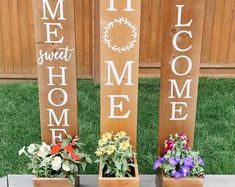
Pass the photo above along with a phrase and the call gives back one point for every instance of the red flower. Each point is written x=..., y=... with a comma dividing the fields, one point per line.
x=55, y=149
x=69, y=148
x=75, y=157
x=182, y=136
x=168, y=145
x=73, y=143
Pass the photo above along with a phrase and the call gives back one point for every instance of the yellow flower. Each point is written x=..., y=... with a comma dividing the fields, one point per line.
x=110, y=150
x=99, y=153
x=103, y=141
x=107, y=135
x=124, y=146
x=120, y=134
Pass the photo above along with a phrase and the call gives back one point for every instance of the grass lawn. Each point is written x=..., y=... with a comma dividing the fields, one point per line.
x=214, y=137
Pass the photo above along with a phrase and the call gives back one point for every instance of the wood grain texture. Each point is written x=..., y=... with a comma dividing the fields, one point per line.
x=53, y=182
x=218, y=36
x=231, y=50
x=1, y=47
x=32, y=46
x=119, y=35
x=24, y=35
x=163, y=181
x=79, y=24
x=192, y=10
x=6, y=36
x=68, y=32
x=15, y=35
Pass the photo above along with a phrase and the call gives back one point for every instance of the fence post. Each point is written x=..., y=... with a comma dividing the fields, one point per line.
x=181, y=52
x=56, y=67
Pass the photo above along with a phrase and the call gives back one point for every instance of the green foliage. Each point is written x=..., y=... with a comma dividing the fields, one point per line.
x=116, y=156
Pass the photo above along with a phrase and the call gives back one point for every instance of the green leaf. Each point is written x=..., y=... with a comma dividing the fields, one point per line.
x=83, y=166
x=88, y=159
x=118, y=164
x=71, y=179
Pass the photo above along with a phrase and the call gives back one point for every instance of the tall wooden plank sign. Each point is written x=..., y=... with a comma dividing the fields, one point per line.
x=119, y=62
x=182, y=39
x=56, y=67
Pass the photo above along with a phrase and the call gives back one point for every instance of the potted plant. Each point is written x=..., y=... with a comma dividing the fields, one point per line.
x=118, y=165
x=179, y=165
x=56, y=164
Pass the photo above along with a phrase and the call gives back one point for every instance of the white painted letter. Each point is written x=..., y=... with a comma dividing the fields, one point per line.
x=179, y=110
x=60, y=4
x=179, y=20
x=62, y=76
x=128, y=6
x=174, y=41
x=180, y=93
x=119, y=106
x=52, y=115
x=173, y=65
x=65, y=96
x=59, y=136
x=128, y=68
x=55, y=33
x=127, y=9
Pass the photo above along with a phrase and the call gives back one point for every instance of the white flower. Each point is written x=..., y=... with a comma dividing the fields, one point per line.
x=22, y=151
x=56, y=163
x=44, y=150
x=45, y=162
x=31, y=148
x=65, y=166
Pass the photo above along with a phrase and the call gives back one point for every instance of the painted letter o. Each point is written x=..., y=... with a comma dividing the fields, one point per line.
x=64, y=94
x=173, y=65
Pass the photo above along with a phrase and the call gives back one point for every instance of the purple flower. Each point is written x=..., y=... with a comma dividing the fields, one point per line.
x=177, y=175
x=173, y=172
x=201, y=161
x=156, y=164
x=184, y=171
x=172, y=161
x=177, y=159
x=162, y=159
x=188, y=161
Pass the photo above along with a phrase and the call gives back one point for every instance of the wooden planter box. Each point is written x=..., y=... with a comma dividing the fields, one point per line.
x=54, y=182
x=163, y=181
x=120, y=182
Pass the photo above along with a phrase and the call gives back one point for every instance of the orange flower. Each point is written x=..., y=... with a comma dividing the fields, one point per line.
x=69, y=148
x=75, y=157
x=55, y=149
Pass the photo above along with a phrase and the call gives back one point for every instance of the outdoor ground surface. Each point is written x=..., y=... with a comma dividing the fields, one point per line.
x=214, y=136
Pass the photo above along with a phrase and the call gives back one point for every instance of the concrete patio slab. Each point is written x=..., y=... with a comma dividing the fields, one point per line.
x=91, y=181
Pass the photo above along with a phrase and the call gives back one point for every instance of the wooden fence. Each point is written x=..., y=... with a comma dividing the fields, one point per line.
x=17, y=48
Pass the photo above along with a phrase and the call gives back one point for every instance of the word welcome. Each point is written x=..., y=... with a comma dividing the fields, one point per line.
x=177, y=112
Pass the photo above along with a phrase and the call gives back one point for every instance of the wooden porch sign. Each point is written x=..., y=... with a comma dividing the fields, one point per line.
x=119, y=61
x=182, y=40
x=56, y=68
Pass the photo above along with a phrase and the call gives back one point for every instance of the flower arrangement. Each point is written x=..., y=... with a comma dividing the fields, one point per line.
x=179, y=160
x=62, y=160
x=115, y=155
